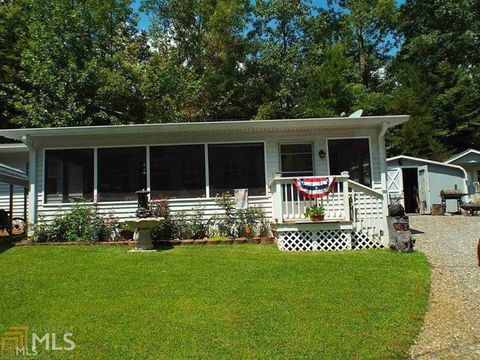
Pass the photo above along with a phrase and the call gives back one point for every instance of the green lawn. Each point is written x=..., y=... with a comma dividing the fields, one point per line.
x=216, y=302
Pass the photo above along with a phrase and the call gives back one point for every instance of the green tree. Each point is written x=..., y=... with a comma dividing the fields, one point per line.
x=79, y=65
x=198, y=70
x=438, y=77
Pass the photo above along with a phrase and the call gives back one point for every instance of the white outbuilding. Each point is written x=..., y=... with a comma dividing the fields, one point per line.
x=416, y=183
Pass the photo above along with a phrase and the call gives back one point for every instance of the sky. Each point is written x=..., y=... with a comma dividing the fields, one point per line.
x=144, y=19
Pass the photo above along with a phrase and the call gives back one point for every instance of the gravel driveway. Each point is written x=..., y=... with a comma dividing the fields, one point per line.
x=452, y=323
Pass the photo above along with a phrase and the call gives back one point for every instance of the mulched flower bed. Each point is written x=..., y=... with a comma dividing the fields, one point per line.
x=92, y=243
x=255, y=240
x=160, y=243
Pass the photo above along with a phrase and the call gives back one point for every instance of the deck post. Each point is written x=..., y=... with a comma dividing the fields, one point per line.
x=346, y=200
x=276, y=191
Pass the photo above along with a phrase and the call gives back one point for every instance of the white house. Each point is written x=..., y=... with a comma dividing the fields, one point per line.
x=416, y=183
x=192, y=162
x=470, y=161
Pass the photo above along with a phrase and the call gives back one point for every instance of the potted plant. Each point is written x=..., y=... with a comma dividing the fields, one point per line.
x=315, y=213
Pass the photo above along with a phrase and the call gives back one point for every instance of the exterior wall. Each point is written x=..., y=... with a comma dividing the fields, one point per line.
x=272, y=161
x=439, y=178
x=18, y=161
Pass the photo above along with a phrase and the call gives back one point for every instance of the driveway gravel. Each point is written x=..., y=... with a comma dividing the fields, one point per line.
x=452, y=322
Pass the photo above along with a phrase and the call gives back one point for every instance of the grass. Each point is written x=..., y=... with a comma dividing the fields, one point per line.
x=216, y=302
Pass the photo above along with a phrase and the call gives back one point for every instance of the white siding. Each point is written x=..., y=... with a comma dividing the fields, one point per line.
x=271, y=140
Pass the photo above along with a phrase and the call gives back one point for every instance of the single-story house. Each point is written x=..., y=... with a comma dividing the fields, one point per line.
x=470, y=161
x=416, y=183
x=192, y=162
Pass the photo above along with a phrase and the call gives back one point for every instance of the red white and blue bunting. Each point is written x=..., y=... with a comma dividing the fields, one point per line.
x=315, y=187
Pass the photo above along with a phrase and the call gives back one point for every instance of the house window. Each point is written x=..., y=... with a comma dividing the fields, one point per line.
x=237, y=166
x=352, y=155
x=177, y=171
x=121, y=172
x=296, y=159
x=69, y=175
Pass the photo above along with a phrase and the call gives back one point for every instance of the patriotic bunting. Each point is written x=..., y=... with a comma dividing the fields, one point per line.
x=315, y=187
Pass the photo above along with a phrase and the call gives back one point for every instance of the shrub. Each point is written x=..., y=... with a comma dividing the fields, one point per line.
x=183, y=225
x=82, y=223
x=234, y=222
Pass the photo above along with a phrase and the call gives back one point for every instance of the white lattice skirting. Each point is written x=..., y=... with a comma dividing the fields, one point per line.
x=326, y=240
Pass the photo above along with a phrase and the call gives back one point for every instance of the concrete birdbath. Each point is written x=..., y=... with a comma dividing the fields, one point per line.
x=143, y=223
x=143, y=229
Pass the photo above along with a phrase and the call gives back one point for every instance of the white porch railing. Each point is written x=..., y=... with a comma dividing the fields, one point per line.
x=289, y=205
x=348, y=202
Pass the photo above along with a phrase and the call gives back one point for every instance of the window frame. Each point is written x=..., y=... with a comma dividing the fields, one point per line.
x=311, y=143
x=44, y=174
x=148, y=182
x=351, y=138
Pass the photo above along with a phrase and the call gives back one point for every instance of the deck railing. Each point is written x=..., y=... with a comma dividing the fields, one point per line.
x=349, y=202
x=289, y=205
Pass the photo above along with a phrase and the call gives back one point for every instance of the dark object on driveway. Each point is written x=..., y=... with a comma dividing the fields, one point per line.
x=478, y=252
x=399, y=229
x=472, y=208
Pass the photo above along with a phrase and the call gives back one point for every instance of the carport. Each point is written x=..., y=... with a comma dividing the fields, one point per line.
x=14, y=177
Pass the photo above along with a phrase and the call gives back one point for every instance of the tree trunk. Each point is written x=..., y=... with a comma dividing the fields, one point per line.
x=364, y=73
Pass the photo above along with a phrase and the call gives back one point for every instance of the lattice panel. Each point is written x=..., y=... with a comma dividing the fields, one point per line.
x=326, y=240
x=361, y=240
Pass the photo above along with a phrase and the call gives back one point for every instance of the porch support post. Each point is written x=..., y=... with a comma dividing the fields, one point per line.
x=346, y=200
x=32, y=174
x=383, y=177
x=207, y=173
x=147, y=170
x=10, y=206
x=25, y=203
x=277, y=206
x=95, y=175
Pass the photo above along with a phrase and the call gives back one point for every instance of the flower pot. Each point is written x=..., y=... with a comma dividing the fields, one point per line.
x=317, y=218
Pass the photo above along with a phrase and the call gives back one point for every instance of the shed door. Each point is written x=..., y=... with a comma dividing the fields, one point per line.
x=423, y=190
x=395, y=186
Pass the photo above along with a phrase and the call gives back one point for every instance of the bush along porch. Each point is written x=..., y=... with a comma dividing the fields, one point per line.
x=85, y=224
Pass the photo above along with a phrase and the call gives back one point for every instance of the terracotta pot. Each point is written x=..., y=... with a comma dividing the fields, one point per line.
x=248, y=231
x=317, y=218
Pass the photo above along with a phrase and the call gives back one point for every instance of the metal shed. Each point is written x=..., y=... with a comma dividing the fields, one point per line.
x=416, y=183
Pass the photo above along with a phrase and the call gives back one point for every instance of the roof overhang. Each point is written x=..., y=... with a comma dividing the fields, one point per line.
x=396, y=158
x=13, y=148
x=210, y=127
x=462, y=154
x=13, y=176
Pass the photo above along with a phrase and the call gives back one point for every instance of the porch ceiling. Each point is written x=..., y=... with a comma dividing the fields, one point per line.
x=246, y=126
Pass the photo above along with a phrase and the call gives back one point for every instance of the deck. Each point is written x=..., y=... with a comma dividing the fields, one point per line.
x=355, y=217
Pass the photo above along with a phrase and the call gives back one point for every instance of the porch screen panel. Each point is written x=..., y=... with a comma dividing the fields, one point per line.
x=296, y=159
x=177, y=171
x=237, y=166
x=121, y=172
x=352, y=155
x=68, y=175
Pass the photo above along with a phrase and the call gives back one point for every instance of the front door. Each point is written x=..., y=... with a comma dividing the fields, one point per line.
x=423, y=189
